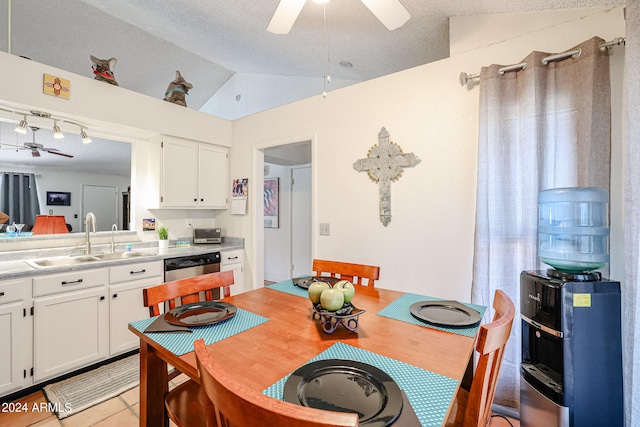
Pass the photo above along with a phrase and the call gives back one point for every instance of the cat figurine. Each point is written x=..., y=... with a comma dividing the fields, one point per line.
x=177, y=90
x=103, y=69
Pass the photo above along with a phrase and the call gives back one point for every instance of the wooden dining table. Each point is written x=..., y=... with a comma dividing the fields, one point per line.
x=289, y=336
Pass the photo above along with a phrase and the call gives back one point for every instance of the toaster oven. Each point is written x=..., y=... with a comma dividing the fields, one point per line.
x=207, y=235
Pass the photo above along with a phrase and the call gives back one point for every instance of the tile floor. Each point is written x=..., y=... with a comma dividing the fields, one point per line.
x=121, y=411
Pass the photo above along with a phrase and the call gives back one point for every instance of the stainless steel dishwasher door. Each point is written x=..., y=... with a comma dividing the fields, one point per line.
x=191, y=266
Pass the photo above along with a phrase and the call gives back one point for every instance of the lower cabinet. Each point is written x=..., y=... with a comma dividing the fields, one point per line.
x=15, y=334
x=233, y=261
x=70, y=322
x=126, y=303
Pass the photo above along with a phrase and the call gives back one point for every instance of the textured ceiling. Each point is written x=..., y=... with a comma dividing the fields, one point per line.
x=210, y=40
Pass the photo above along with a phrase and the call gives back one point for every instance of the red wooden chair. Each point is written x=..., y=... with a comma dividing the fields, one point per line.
x=473, y=408
x=354, y=273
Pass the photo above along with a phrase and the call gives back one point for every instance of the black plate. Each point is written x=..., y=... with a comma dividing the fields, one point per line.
x=346, y=386
x=305, y=281
x=444, y=313
x=200, y=313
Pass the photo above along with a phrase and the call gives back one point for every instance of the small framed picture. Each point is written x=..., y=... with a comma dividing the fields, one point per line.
x=58, y=198
x=271, y=202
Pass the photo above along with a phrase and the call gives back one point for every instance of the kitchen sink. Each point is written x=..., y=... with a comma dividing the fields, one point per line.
x=62, y=261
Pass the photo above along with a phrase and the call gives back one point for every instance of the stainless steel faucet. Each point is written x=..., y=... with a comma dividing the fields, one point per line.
x=114, y=228
x=89, y=219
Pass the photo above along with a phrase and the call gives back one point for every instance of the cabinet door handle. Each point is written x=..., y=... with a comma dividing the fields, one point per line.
x=102, y=298
x=138, y=272
x=202, y=200
x=1, y=294
x=74, y=282
x=230, y=258
x=115, y=295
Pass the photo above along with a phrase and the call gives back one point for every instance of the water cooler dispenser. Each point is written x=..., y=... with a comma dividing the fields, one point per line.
x=571, y=370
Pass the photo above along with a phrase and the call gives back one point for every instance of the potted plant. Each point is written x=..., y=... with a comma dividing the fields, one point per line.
x=163, y=235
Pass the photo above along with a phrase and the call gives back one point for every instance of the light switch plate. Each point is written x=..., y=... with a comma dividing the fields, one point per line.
x=324, y=229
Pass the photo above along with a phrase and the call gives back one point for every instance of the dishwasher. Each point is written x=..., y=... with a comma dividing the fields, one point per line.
x=192, y=265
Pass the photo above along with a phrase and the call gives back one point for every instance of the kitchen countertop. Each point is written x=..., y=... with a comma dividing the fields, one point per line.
x=14, y=264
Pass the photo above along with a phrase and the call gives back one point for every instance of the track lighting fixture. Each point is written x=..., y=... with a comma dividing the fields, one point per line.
x=57, y=133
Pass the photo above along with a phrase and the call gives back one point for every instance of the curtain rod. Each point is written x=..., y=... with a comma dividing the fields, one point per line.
x=465, y=78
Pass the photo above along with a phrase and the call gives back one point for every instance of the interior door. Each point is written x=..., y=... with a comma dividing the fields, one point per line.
x=301, y=221
x=103, y=202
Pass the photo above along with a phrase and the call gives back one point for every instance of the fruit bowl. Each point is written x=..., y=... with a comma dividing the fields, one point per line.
x=347, y=316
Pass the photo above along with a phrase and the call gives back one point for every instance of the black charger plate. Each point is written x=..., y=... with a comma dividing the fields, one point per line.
x=200, y=313
x=444, y=313
x=346, y=386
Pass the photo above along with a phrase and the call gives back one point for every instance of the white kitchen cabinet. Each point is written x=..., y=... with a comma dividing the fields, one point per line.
x=70, y=321
x=193, y=174
x=15, y=334
x=234, y=261
x=126, y=303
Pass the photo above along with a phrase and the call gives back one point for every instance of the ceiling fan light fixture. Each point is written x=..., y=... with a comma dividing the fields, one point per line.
x=57, y=133
x=85, y=137
x=22, y=126
x=391, y=13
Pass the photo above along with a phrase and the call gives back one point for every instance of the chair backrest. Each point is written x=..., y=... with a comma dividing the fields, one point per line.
x=186, y=291
x=236, y=405
x=347, y=271
x=492, y=340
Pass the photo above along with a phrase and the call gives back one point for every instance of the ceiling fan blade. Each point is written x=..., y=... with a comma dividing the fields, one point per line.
x=58, y=154
x=391, y=13
x=285, y=16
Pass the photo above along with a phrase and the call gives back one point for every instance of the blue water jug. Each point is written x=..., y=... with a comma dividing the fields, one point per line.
x=573, y=228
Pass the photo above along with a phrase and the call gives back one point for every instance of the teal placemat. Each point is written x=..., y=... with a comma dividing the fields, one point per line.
x=428, y=393
x=288, y=287
x=399, y=310
x=181, y=343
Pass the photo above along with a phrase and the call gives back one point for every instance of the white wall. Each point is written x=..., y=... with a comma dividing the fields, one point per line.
x=428, y=246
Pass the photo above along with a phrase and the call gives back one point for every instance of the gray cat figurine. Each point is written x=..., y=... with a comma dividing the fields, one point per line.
x=177, y=90
x=103, y=69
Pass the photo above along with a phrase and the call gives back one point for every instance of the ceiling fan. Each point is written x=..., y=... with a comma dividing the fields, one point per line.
x=390, y=12
x=37, y=148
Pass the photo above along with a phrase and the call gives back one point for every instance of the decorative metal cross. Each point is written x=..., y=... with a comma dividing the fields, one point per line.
x=384, y=163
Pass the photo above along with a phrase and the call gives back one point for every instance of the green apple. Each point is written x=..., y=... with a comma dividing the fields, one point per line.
x=315, y=289
x=332, y=299
x=347, y=289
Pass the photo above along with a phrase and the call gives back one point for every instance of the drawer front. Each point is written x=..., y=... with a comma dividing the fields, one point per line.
x=14, y=290
x=67, y=282
x=231, y=257
x=141, y=270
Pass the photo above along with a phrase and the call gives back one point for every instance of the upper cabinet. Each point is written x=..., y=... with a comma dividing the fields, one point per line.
x=193, y=174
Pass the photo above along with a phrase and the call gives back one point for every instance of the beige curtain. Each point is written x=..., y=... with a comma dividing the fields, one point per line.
x=546, y=126
x=630, y=293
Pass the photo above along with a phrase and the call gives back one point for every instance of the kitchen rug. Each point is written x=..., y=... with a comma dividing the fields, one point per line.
x=83, y=391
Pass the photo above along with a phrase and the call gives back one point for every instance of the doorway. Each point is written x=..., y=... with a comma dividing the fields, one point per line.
x=103, y=202
x=295, y=156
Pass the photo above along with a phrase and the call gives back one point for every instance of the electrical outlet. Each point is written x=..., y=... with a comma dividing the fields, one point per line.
x=324, y=229
x=189, y=222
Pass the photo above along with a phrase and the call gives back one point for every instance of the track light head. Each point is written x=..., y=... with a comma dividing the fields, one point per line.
x=84, y=136
x=22, y=126
x=57, y=134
